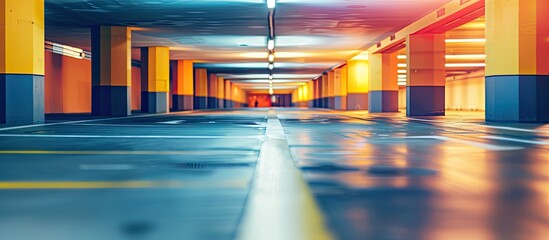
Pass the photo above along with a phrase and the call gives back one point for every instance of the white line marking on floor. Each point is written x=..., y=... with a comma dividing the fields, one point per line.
x=110, y=125
x=482, y=125
x=516, y=140
x=260, y=137
x=467, y=142
x=280, y=204
x=107, y=167
x=91, y=120
x=173, y=122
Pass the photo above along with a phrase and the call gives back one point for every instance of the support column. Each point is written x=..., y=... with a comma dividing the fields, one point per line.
x=317, y=92
x=200, y=88
x=357, y=84
x=311, y=95
x=111, y=71
x=340, y=88
x=517, y=60
x=325, y=100
x=228, y=99
x=426, y=75
x=22, y=62
x=183, y=81
x=212, y=91
x=220, y=92
x=155, y=85
x=331, y=89
x=383, y=83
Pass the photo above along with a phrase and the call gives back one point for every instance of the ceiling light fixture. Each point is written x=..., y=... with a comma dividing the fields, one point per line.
x=271, y=66
x=271, y=4
x=271, y=44
x=271, y=57
x=271, y=77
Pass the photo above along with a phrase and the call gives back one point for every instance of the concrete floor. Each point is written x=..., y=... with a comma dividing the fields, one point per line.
x=275, y=174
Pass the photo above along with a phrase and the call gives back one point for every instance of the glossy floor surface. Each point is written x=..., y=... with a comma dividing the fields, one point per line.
x=275, y=174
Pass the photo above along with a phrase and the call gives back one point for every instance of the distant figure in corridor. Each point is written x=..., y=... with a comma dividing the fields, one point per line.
x=256, y=103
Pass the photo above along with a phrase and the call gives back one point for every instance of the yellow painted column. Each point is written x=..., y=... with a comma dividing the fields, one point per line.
x=340, y=88
x=183, y=81
x=220, y=92
x=111, y=71
x=517, y=60
x=425, y=94
x=155, y=79
x=383, y=96
x=358, y=82
x=331, y=89
x=228, y=93
x=212, y=91
x=22, y=61
x=200, y=88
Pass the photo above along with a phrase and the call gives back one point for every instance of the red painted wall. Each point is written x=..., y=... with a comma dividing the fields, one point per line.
x=263, y=100
x=67, y=84
x=136, y=88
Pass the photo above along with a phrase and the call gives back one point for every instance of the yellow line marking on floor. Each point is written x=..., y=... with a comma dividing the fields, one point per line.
x=280, y=204
x=48, y=152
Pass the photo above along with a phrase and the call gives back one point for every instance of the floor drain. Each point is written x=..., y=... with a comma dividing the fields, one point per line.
x=396, y=171
x=137, y=228
x=328, y=168
x=210, y=166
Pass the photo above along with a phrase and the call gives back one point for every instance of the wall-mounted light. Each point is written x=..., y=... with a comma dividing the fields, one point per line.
x=271, y=4
x=271, y=91
x=271, y=58
x=271, y=44
x=270, y=77
x=271, y=66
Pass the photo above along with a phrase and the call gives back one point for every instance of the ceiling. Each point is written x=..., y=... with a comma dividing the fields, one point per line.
x=229, y=37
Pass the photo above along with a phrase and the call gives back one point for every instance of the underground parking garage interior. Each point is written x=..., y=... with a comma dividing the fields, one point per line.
x=274, y=119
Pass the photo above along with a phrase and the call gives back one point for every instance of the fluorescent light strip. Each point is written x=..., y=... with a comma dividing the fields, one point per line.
x=452, y=65
x=464, y=56
x=466, y=40
x=402, y=71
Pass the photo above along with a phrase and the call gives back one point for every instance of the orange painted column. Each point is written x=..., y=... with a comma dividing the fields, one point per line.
x=311, y=94
x=517, y=60
x=358, y=80
x=21, y=61
x=317, y=92
x=155, y=79
x=383, y=96
x=325, y=101
x=425, y=91
x=220, y=92
x=340, y=88
x=228, y=95
x=111, y=71
x=183, y=85
x=200, y=88
x=212, y=91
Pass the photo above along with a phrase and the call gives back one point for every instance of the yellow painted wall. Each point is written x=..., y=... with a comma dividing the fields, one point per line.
x=357, y=76
x=467, y=94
